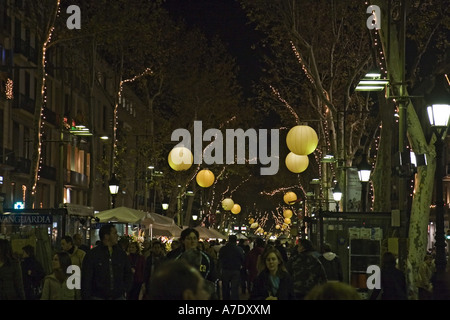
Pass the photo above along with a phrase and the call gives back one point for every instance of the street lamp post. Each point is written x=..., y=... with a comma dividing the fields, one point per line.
x=337, y=195
x=113, y=189
x=438, y=108
x=364, y=170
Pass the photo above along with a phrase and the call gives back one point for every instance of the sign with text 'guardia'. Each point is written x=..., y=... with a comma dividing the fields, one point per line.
x=26, y=218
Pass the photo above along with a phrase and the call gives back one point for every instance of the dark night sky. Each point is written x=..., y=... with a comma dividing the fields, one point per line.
x=225, y=19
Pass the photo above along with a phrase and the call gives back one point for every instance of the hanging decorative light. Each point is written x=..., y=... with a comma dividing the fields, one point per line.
x=289, y=197
x=227, y=204
x=180, y=158
x=302, y=140
x=205, y=178
x=236, y=209
x=296, y=163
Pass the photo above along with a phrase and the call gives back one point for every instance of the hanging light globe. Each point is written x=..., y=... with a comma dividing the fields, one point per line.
x=302, y=140
x=236, y=209
x=180, y=158
x=205, y=178
x=227, y=204
x=289, y=197
x=296, y=163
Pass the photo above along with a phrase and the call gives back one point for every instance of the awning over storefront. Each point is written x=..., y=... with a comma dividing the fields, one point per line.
x=78, y=210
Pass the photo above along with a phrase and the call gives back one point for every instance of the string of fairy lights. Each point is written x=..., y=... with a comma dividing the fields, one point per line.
x=44, y=102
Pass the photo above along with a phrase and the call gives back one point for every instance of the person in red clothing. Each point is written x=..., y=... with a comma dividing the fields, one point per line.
x=137, y=261
x=251, y=261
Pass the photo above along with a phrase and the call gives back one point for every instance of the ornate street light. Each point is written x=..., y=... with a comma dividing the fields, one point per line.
x=438, y=108
x=114, y=188
x=337, y=195
x=364, y=169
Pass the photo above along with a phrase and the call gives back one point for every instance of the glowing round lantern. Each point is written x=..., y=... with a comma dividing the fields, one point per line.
x=302, y=140
x=227, y=204
x=251, y=220
x=287, y=220
x=236, y=209
x=180, y=158
x=287, y=213
x=296, y=163
x=277, y=226
x=254, y=225
x=289, y=197
x=205, y=178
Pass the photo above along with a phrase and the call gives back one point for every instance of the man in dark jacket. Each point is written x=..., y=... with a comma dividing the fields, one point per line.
x=331, y=263
x=231, y=260
x=305, y=269
x=106, y=271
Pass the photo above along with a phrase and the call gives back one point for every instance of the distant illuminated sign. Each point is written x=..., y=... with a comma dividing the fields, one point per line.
x=19, y=205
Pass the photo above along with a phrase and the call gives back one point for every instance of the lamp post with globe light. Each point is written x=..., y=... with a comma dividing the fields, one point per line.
x=113, y=189
x=438, y=109
x=364, y=170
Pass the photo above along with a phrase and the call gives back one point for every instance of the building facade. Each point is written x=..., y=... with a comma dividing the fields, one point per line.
x=78, y=124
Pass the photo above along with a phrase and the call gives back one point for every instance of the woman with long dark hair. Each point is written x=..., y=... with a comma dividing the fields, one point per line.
x=55, y=284
x=273, y=281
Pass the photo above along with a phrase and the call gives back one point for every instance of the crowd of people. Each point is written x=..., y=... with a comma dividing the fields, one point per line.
x=120, y=269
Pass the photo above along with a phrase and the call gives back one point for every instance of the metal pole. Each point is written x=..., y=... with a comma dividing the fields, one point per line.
x=440, y=261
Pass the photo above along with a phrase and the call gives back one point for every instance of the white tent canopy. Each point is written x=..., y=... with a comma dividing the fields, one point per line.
x=121, y=214
x=158, y=225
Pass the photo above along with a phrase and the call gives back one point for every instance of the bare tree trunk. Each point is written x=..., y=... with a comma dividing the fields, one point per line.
x=382, y=173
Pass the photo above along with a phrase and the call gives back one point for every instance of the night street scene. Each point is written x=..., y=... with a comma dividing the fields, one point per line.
x=226, y=152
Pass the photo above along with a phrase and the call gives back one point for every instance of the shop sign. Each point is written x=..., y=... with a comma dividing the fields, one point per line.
x=26, y=218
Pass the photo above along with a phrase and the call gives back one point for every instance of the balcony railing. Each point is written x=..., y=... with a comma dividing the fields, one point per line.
x=24, y=103
x=76, y=179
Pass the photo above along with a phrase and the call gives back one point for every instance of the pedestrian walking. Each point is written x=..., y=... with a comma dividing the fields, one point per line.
x=76, y=255
x=156, y=256
x=32, y=274
x=137, y=262
x=78, y=241
x=231, y=260
x=55, y=284
x=251, y=260
x=273, y=281
x=243, y=243
x=305, y=269
x=331, y=263
x=11, y=283
x=106, y=272
x=393, y=280
x=424, y=276
x=189, y=238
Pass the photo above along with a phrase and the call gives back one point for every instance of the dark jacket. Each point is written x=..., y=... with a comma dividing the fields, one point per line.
x=231, y=257
x=104, y=276
x=251, y=262
x=306, y=271
x=33, y=278
x=205, y=264
x=332, y=265
x=11, y=284
x=262, y=287
x=393, y=284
